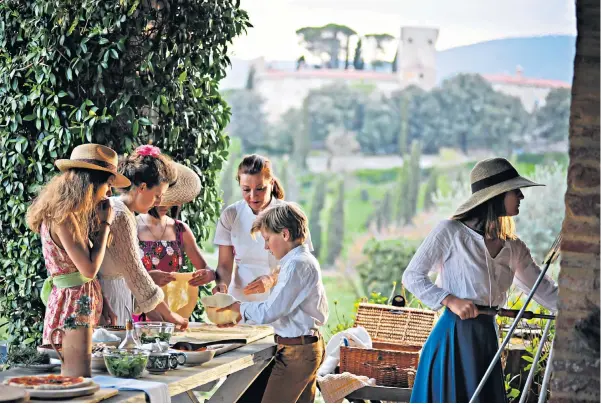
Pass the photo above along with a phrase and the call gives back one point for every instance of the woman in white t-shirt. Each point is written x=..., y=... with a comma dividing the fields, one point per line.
x=256, y=269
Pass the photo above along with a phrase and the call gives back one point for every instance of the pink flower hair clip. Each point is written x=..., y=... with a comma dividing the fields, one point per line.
x=148, y=150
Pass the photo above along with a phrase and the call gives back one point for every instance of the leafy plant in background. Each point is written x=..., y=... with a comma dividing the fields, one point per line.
x=119, y=73
x=385, y=262
x=543, y=209
x=431, y=187
x=345, y=323
x=530, y=331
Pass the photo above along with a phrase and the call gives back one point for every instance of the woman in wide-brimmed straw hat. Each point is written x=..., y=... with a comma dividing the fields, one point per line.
x=122, y=275
x=164, y=240
x=477, y=257
x=70, y=210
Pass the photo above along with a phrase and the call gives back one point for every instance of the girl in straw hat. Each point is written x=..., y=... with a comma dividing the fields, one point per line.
x=163, y=239
x=69, y=210
x=122, y=273
x=477, y=257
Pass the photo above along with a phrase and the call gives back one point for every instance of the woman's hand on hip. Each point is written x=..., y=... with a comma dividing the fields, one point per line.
x=161, y=278
x=108, y=316
x=202, y=277
x=260, y=285
x=465, y=309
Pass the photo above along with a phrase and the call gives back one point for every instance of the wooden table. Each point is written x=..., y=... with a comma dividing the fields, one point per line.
x=380, y=393
x=240, y=366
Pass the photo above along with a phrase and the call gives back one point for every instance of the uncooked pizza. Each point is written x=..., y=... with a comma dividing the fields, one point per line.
x=50, y=382
x=180, y=296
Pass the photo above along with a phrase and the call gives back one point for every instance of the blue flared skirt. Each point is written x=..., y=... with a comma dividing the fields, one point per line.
x=455, y=358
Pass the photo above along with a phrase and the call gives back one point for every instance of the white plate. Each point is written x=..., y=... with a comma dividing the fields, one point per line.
x=195, y=358
x=67, y=393
x=10, y=394
x=46, y=368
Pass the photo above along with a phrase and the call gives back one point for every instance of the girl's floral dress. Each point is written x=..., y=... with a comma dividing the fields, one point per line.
x=63, y=301
x=164, y=255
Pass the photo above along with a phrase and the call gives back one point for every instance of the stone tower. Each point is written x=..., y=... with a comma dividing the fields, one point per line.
x=417, y=57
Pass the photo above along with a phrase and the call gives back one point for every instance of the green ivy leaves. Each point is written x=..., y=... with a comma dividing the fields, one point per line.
x=116, y=72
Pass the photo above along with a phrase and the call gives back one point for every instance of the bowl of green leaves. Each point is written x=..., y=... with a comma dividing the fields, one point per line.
x=148, y=331
x=129, y=363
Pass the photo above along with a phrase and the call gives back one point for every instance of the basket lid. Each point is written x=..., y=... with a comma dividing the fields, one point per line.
x=398, y=325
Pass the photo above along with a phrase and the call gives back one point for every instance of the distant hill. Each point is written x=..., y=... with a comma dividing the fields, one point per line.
x=543, y=57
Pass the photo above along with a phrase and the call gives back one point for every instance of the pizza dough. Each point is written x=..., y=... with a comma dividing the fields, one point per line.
x=219, y=301
x=180, y=296
x=50, y=382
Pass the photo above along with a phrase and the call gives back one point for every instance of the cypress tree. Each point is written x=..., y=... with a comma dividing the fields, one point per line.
x=413, y=181
x=336, y=227
x=358, y=62
x=227, y=181
x=431, y=187
x=319, y=199
x=402, y=199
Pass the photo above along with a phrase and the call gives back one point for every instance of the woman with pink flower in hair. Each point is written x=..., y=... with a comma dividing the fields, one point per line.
x=128, y=287
x=164, y=240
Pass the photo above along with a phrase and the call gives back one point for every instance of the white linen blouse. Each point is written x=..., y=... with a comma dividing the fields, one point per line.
x=466, y=269
x=250, y=257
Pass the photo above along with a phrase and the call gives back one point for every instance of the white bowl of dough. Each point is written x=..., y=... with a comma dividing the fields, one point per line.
x=218, y=301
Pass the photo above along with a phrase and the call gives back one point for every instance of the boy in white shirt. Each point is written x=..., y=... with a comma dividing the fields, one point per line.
x=296, y=307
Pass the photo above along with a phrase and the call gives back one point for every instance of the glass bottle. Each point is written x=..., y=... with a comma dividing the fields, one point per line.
x=130, y=341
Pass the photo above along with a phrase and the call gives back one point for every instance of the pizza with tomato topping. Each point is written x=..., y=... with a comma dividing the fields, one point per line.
x=50, y=382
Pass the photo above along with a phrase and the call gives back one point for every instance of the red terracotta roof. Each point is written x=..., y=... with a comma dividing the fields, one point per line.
x=385, y=76
x=332, y=74
x=525, y=81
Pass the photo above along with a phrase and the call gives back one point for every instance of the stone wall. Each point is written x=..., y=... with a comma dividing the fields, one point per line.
x=576, y=349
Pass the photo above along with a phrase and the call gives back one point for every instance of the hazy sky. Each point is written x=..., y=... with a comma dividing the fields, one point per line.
x=461, y=22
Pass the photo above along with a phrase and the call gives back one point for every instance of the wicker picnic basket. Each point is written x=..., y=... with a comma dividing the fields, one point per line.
x=398, y=335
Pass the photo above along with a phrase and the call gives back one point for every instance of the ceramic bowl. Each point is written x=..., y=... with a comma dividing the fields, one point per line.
x=160, y=362
x=98, y=363
x=198, y=358
x=195, y=358
x=149, y=331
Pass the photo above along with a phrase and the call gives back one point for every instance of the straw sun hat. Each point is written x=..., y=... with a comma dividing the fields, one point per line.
x=185, y=188
x=492, y=177
x=94, y=157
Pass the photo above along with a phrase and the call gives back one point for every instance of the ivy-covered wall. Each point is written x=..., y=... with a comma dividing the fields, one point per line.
x=115, y=72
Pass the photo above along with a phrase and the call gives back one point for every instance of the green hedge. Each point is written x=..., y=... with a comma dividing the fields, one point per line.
x=385, y=262
x=115, y=72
